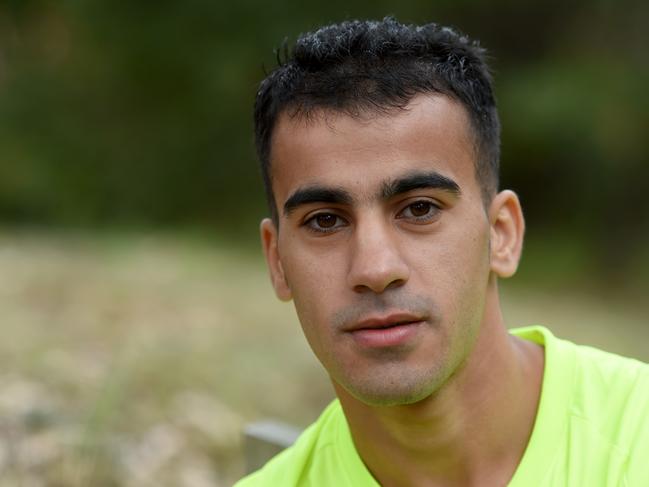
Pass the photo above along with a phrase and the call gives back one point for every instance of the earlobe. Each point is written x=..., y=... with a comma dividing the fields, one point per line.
x=507, y=230
x=268, y=232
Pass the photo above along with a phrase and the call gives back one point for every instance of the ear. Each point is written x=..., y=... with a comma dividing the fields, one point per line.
x=268, y=232
x=507, y=230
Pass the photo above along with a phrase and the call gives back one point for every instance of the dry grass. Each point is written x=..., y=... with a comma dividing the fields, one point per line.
x=136, y=360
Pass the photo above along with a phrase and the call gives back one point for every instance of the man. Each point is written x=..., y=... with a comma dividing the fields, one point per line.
x=379, y=144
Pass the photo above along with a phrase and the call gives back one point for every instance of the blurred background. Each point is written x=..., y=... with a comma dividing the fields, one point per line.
x=139, y=332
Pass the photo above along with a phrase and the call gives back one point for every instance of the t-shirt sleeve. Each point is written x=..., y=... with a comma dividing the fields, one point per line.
x=637, y=471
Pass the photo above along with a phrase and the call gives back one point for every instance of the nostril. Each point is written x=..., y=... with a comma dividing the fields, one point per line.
x=396, y=283
x=378, y=287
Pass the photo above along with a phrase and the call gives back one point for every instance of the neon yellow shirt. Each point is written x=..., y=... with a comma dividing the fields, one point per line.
x=592, y=429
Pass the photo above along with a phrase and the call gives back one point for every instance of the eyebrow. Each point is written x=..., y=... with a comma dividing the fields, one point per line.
x=419, y=180
x=316, y=194
x=390, y=189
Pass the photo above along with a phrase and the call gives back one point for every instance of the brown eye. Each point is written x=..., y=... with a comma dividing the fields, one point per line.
x=326, y=220
x=324, y=223
x=420, y=208
x=420, y=212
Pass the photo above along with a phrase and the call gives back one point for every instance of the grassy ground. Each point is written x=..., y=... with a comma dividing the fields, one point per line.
x=136, y=360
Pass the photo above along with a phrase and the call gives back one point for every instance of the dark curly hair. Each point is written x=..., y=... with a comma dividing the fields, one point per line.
x=359, y=66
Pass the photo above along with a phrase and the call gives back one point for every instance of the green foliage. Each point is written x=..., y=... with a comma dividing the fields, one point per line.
x=116, y=113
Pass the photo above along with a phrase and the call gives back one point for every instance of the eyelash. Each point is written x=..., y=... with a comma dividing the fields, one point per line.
x=433, y=208
x=310, y=223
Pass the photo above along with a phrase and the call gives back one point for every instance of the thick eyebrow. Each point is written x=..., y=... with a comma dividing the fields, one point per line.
x=316, y=194
x=419, y=180
x=410, y=182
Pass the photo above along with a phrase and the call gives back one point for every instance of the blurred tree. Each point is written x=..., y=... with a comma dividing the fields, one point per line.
x=139, y=112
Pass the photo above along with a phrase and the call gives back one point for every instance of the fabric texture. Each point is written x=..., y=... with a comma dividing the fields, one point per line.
x=591, y=429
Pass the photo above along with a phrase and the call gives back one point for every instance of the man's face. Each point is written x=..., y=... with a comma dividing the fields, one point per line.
x=383, y=244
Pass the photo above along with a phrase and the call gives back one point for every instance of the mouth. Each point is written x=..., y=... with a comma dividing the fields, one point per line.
x=386, y=321
x=386, y=331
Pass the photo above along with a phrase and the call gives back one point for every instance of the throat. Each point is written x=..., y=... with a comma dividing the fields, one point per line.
x=473, y=432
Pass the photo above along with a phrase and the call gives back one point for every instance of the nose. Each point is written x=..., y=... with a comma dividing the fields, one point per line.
x=377, y=262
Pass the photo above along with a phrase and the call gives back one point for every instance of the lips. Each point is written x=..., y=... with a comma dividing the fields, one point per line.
x=391, y=330
x=382, y=322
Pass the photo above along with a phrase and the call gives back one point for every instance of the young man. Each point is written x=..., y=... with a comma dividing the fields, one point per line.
x=379, y=144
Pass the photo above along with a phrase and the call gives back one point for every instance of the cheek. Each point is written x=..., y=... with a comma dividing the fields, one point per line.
x=313, y=281
x=471, y=272
x=310, y=268
x=314, y=297
x=456, y=266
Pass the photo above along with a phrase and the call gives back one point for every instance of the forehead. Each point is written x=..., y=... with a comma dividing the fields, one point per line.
x=431, y=133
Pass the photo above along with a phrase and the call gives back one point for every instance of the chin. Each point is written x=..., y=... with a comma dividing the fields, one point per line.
x=387, y=400
x=394, y=391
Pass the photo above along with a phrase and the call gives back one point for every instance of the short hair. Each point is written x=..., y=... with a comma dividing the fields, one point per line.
x=358, y=66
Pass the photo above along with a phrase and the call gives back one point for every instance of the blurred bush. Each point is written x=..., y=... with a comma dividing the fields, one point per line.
x=115, y=113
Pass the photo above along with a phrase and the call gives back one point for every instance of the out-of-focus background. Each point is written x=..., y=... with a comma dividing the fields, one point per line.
x=139, y=333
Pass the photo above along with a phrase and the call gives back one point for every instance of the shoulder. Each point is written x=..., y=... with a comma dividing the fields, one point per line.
x=607, y=390
x=613, y=397
x=293, y=466
x=607, y=404
x=606, y=381
x=591, y=426
x=615, y=384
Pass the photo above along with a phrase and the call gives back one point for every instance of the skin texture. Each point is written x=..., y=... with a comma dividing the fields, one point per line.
x=353, y=248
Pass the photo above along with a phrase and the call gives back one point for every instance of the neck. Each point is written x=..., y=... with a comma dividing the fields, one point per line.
x=471, y=431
